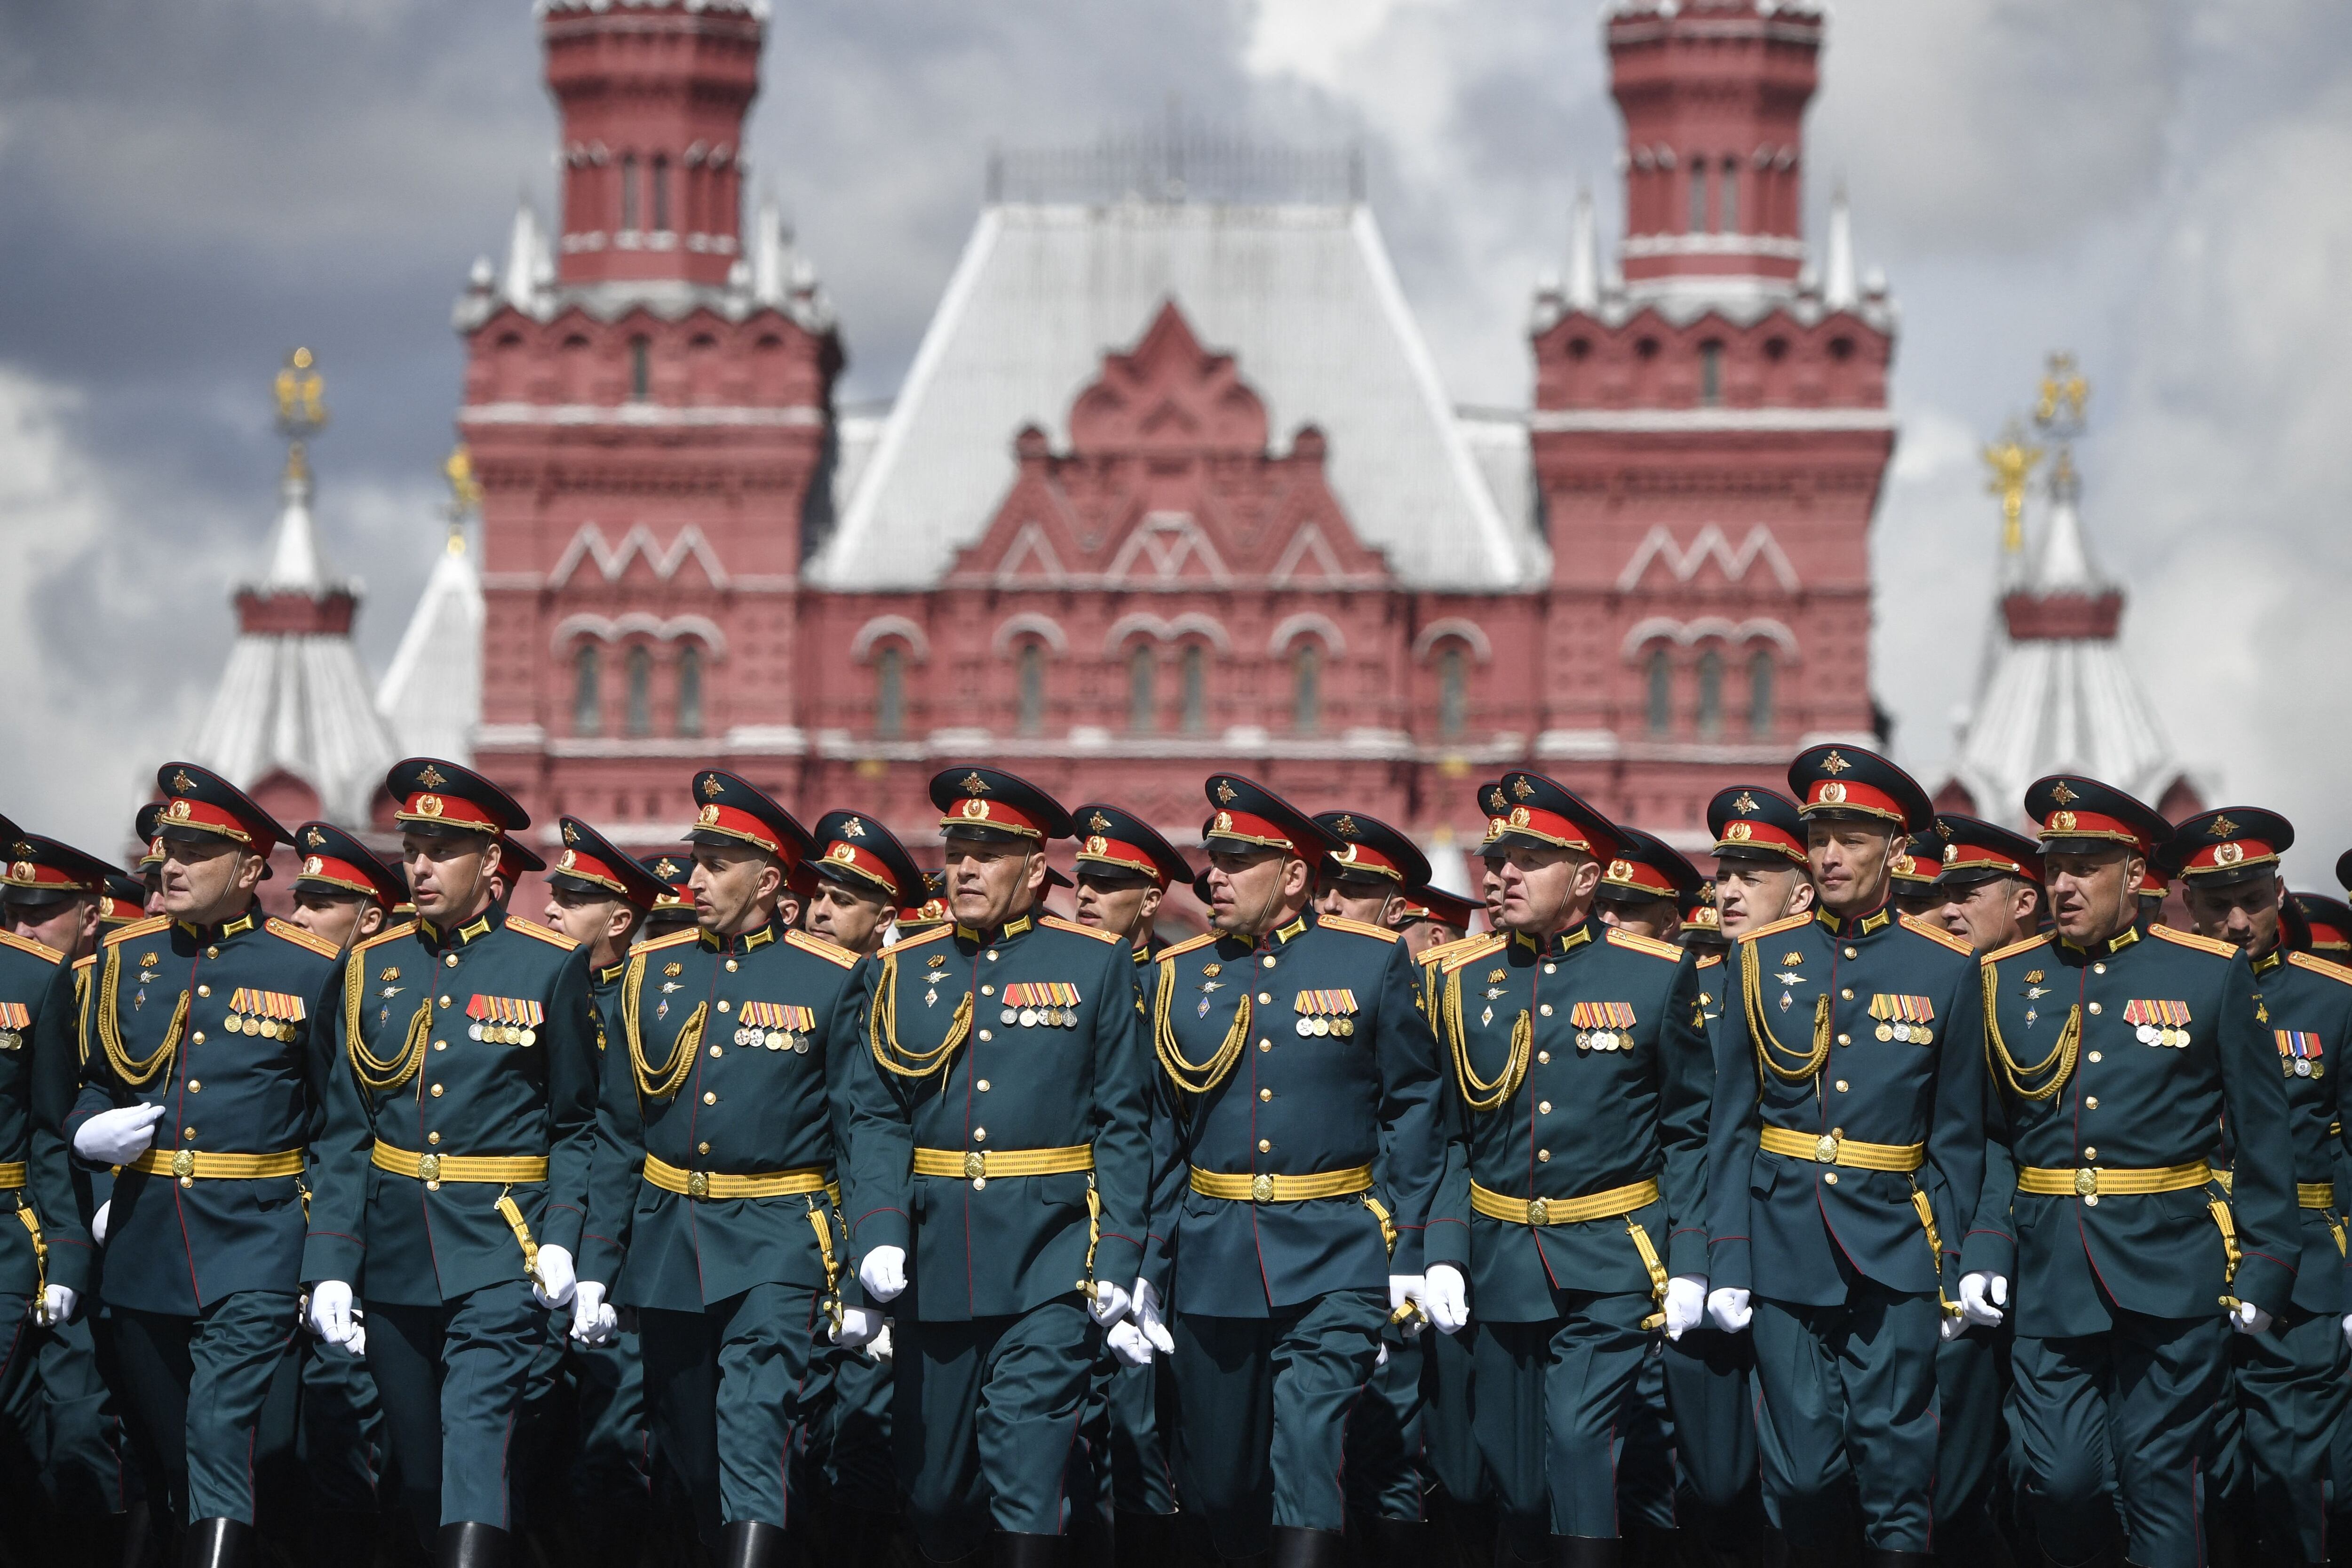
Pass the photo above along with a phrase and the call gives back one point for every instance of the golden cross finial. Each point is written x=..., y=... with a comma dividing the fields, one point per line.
x=2012, y=462
x=465, y=494
x=2064, y=392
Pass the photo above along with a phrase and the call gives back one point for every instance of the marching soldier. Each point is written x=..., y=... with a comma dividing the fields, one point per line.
x=453, y=1170
x=1990, y=884
x=1577, y=1049
x=2290, y=1387
x=860, y=879
x=1644, y=886
x=342, y=894
x=1846, y=1143
x=125, y=900
x=1000, y=1145
x=150, y=859
x=673, y=910
x=2116, y=1049
x=1308, y=1089
x=1914, y=873
x=203, y=1061
x=1425, y=917
x=711, y=1215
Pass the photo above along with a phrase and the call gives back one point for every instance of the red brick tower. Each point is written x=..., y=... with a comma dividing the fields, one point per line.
x=647, y=409
x=1710, y=432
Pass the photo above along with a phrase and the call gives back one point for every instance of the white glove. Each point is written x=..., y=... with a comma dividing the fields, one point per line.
x=2249, y=1319
x=1414, y=1288
x=56, y=1305
x=1109, y=1304
x=1446, y=1296
x=1982, y=1297
x=357, y=1344
x=553, y=1282
x=1950, y=1326
x=1155, y=1327
x=1685, y=1304
x=881, y=1348
x=117, y=1137
x=330, y=1311
x=857, y=1327
x=100, y=1221
x=883, y=1272
x=1729, y=1309
x=1127, y=1342
x=2347, y=1326
x=593, y=1321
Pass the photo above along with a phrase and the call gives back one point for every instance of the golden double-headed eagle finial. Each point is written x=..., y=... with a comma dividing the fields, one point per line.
x=2012, y=463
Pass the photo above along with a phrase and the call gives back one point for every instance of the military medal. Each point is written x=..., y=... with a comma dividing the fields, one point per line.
x=2159, y=1022
x=1601, y=1025
x=1903, y=1019
x=2298, y=1052
x=15, y=1019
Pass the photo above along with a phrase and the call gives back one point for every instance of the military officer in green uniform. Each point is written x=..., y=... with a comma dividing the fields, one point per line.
x=1643, y=888
x=1427, y=917
x=1305, y=1077
x=1000, y=1143
x=1847, y=1143
x=2118, y=1050
x=2291, y=1384
x=202, y=1062
x=453, y=1171
x=673, y=910
x=1913, y=872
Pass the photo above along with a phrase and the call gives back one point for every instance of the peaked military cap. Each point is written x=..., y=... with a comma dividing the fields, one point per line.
x=2077, y=813
x=1496, y=806
x=991, y=803
x=1428, y=903
x=933, y=911
x=1846, y=780
x=2343, y=871
x=731, y=811
x=335, y=863
x=1249, y=815
x=1919, y=863
x=589, y=863
x=44, y=871
x=1646, y=868
x=434, y=794
x=858, y=852
x=1119, y=840
x=673, y=871
x=2220, y=848
x=2323, y=924
x=201, y=806
x=1702, y=919
x=1370, y=848
x=125, y=900
x=146, y=825
x=515, y=856
x=1753, y=823
x=2154, y=884
x=1976, y=850
x=1548, y=815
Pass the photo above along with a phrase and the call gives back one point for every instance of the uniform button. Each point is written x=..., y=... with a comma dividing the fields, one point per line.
x=196, y=1086
x=985, y=1034
x=204, y=990
x=1265, y=1145
x=1846, y=1039
x=988, y=991
x=2094, y=1006
x=1267, y=961
x=440, y=1045
x=1832, y=1177
x=1837, y=1131
x=2091, y=1103
x=1266, y=1045
x=198, y=1037
x=1265, y=998
x=1545, y=1009
x=2098, y=969
x=445, y=1001
x=2094, y=1055
x=1543, y=1108
x=709, y=1097
x=991, y=955
x=714, y=1050
x=436, y=1091
x=979, y=1135
x=188, y=1132
x=2090, y=1153
x=1543, y=1157
x=451, y=961
x=433, y=1137
x=1543, y=1058
x=730, y=966
x=722, y=1003
x=1852, y=953
x=702, y=1148
x=1846, y=995
x=212, y=953
x=1265, y=1094
x=1551, y=969
x=1840, y=1086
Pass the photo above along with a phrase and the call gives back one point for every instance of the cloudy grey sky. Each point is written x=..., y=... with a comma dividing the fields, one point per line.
x=192, y=189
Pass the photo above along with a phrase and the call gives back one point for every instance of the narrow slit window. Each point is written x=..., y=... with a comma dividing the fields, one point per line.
x=1661, y=693
x=1698, y=224
x=1196, y=688
x=1452, y=679
x=628, y=191
x=690, y=689
x=661, y=193
x=1710, y=375
x=587, y=698
x=1761, y=676
x=1143, y=690
x=890, y=693
x=641, y=369
x=1306, y=688
x=1727, y=197
x=1710, y=695
x=641, y=689
x=1033, y=689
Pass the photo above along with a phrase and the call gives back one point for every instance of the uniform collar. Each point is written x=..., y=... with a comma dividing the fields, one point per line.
x=2271, y=960
x=224, y=930
x=1876, y=920
x=1019, y=925
x=2107, y=949
x=746, y=941
x=472, y=932
x=606, y=978
x=1233, y=943
x=1567, y=941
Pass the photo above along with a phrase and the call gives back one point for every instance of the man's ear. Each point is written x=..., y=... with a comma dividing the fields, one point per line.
x=1297, y=876
x=1032, y=874
x=624, y=921
x=1801, y=899
x=1587, y=878
x=493, y=858
x=250, y=867
x=1150, y=906
x=88, y=919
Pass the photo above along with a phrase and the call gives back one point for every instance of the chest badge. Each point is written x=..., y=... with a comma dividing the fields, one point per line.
x=2299, y=1053
x=1040, y=1003
x=15, y=1019
x=1905, y=1018
x=2159, y=1022
x=504, y=1020
x=1327, y=1013
x=1602, y=1026
x=775, y=1027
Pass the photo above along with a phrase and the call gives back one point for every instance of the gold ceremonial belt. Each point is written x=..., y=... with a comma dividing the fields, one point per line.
x=1614, y=1204
x=188, y=1163
x=2096, y=1181
x=2315, y=1194
x=1242, y=1189
x=979, y=1164
x=1829, y=1149
x=12, y=1175
x=435, y=1169
x=759, y=1184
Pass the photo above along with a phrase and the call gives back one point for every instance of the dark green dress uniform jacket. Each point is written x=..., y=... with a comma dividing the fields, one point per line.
x=39, y=1078
x=1299, y=1104
x=1000, y=1245
x=751, y=1096
x=1612, y=1090
x=393, y=1238
x=2304, y=1007
x=243, y=1088
x=1780, y=1224
x=2133, y=1105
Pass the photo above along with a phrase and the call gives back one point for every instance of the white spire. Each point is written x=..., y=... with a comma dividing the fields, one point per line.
x=294, y=565
x=525, y=250
x=772, y=249
x=1838, y=289
x=1583, y=287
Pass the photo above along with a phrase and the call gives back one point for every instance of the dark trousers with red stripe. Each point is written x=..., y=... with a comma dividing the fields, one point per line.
x=1554, y=1404
x=727, y=1393
x=195, y=1387
x=451, y=1380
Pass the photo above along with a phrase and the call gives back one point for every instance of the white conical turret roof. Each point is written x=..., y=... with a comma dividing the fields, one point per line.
x=432, y=691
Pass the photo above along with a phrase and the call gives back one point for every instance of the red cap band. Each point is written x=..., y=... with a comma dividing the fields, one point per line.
x=1248, y=829
x=1743, y=834
x=2152, y=881
x=589, y=867
x=849, y=857
x=2228, y=856
x=112, y=910
x=1364, y=858
x=2071, y=824
x=1550, y=826
x=1983, y=858
x=337, y=873
x=33, y=874
x=449, y=810
x=182, y=812
x=1106, y=851
x=981, y=813
x=1908, y=868
x=717, y=818
x=1639, y=876
x=1837, y=794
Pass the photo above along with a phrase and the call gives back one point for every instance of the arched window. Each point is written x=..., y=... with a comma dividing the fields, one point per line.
x=1710, y=375
x=1196, y=688
x=661, y=193
x=587, y=698
x=889, y=692
x=1710, y=695
x=641, y=689
x=1453, y=697
x=1033, y=687
x=628, y=190
x=1760, y=676
x=1142, y=688
x=1698, y=224
x=690, y=689
x=1661, y=680
x=1727, y=197
x=641, y=368
x=1306, y=687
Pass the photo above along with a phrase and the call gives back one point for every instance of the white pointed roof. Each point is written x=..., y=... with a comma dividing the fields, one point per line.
x=432, y=691
x=1301, y=295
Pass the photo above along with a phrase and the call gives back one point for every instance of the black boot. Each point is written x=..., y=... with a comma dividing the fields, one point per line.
x=1881, y=1557
x=1586, y=1551
x=1019, y=1550
x=1402, y=1543
x=218, y=1543
x=1146, y=1540
x=470, y=1543
x=750, y=1544
x=1296, y=1548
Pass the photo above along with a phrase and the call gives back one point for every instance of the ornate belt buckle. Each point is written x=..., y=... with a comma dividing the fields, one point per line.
x=1825, y=1149
x=697, y=1184
x=1539, y=1211
x=1261, y=1189
x=183, y=1163
x=428, y=1167
x=2086, y=1183
x=975, y=1164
